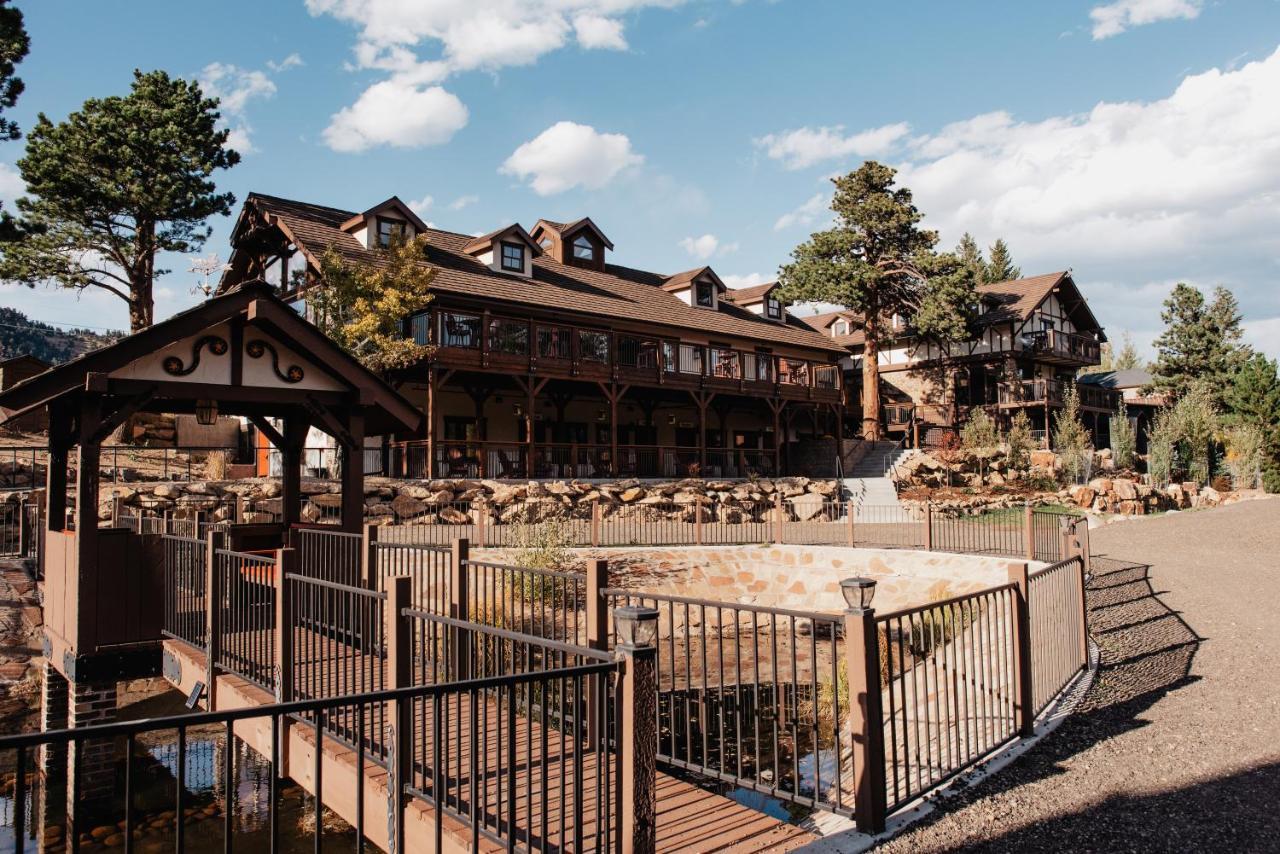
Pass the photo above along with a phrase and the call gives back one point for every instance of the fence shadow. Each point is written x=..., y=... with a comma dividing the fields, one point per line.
x=1147, y=649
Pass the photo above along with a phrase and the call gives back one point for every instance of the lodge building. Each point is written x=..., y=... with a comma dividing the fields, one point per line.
x=549, y=360
x=1031, y=338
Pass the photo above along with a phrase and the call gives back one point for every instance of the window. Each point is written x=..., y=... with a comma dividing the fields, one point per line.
x=420, y=328
x=582, y=248
x=513, y=257
x=772, y=308
x=510, y=337
x=389, y=231
x=637, y=352
x=690, y=359
x=1046, y=324
x=839, y=328
x=704, y=294
x=459, y=330
x=593, y=346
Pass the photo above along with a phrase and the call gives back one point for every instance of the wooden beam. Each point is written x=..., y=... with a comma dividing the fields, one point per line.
x=265, y=428
x=122, y=411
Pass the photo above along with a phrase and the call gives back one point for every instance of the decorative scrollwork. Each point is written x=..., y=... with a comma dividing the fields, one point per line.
x=257, y=348
x=174, y=366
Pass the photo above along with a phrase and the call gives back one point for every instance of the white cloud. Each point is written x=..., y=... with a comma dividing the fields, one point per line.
x=702, y=247
x=397, y=114
x=11, y=184
x=568, y=155
x=1264, y=334
x=424, y=42
x=422, y=205
x=806, y=214
x=596, y=32
x=1112, y=19
x=235, y=88
x=734, y=282
x=462, y=202
x=803, y=147
x=293, y=60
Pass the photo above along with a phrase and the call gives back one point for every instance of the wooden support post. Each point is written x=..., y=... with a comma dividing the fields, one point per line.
x=850, y=511
x=286, y=564
x=697, y=521
x=353, y=475
x=928, y=526
x=638, y=743
x=595, y=522
x=116, y=502
x=1029, y=530
x=777, y=518
x=1024, y=702
x=481, y=518
x=429, y=469
x=213, y=615
x=866, y=718
x=459, y=606
x=369, y=579
x=400, y=723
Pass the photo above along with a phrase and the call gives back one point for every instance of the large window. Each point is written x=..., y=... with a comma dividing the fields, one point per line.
x=459, y=330
x=593, y=346
x=724, y=363
x=390, y=231
x=690, y=359
x=582, y=248
x=513, y=257
x=704, y=294
x=637, y=352
x=508, y=336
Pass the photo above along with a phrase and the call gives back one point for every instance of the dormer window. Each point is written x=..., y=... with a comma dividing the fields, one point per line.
x=704, y=294
x=772, y=308
x=839, y=328
x=390, y=231
x=513, y=257
x=582, y=248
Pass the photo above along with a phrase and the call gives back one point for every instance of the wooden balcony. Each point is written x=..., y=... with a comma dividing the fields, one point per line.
x=1051, y=393
x=469, y=341
x=1063, y=348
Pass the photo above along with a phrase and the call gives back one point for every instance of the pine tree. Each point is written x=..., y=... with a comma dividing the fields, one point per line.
x=1020, y=441
x=1200, y=341
x=1253, y=399
x=1000, y=266
x=971, y=256
x=14, y=45
x=878, y=261
x=120, y=181
x=1127, y=359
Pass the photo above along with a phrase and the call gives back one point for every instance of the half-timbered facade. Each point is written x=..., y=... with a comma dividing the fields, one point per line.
x=550, y=361
x=1030, y=339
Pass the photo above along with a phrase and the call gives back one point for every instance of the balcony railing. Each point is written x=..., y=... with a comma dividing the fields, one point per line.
x=507, y=342
x=1068, y=346
x=1052, y=392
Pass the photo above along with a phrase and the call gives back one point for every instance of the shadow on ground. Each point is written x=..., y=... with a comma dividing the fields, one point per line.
x=1146, y=651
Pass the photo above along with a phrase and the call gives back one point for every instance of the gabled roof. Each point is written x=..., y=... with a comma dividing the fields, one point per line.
x=484, y=241
x=567, y=230
x=393, y=202
x=1017, y=299
x=616, y=292
x=254, y=305
x=750, y=295
x=680, y=281
x=1130, y=378
x=822, y=322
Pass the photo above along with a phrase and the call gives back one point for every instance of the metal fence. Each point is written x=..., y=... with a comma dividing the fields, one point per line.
x=752, y=696
x=328, y=555
x=185, y=578
x=1059, y=645
x=543, y=603
x=949, y=676
x=427, y=565
x=246, y=618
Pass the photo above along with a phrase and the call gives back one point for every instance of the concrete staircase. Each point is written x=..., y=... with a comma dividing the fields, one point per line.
x=868, y=482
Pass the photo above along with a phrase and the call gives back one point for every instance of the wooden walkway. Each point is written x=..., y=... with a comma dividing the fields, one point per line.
x=689, y=818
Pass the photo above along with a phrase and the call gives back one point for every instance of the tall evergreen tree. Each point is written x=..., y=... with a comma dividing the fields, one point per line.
x=970, y=255
x=878, y=261
x=1201, y=341
x=1000, y=266
x=1127, y=359
x=121, y=180
x=14, y=45
x=1253, y=400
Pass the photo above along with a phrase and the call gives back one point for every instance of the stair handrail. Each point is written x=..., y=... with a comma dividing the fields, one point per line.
x=888, y=461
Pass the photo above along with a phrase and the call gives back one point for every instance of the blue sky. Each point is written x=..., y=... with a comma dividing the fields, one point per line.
x=1134, y=141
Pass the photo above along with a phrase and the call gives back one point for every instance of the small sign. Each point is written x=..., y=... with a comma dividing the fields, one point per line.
x=193, y=699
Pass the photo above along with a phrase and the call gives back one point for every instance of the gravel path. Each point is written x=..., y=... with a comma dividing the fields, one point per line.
x=1176, y=747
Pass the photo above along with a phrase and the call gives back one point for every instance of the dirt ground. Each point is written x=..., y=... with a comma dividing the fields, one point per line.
x=1177, y=744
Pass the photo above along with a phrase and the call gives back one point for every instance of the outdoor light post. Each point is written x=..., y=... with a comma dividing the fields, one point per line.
x=866, y=719
x=637, y=629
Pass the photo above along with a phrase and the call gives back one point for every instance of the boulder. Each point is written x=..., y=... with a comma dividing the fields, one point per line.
x=631, y=495
x=806, y=506
x=1125, y=489
x=407, y=507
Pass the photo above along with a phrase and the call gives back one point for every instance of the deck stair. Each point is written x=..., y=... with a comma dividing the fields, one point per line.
x=868, y=482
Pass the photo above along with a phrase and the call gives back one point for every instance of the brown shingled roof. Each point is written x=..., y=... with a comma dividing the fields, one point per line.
x=1017, y=298
x=753, y=294
x=616, y=292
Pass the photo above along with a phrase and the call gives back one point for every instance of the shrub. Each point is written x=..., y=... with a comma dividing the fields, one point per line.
x=1246, y=453
x=1020, y=442
x=1070, y=438
x=979, y=431
x=1162, y=440
x=542, y=545
x=1123, y=440
x=1195, y=421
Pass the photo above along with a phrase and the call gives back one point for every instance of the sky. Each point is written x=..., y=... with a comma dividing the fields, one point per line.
x=1134, y=142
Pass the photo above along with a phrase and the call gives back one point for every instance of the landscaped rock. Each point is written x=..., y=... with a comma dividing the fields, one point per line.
x=1126, y=490
x=807, y=506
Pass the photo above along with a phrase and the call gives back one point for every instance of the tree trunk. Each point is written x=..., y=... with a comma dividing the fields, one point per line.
x=871, y=379
x=142, y=282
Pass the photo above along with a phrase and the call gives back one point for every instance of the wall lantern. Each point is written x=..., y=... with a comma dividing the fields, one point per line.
x=858, y=592
x=637, y=625
x=518, y=410
x=206, y=412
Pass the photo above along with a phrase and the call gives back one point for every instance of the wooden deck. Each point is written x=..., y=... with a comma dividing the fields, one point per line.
x=689, y=818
